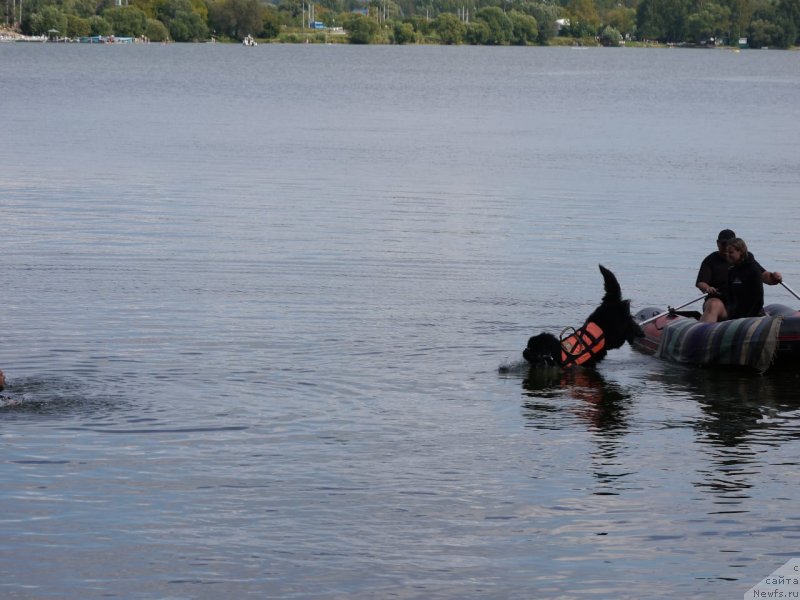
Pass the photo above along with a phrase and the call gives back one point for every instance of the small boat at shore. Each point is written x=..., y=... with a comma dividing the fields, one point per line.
x=759, y=343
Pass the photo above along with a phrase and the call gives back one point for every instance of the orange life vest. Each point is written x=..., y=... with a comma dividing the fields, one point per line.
x=581, y=345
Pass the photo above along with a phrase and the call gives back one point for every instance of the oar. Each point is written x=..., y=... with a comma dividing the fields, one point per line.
x=791, y=291
x=666, y=312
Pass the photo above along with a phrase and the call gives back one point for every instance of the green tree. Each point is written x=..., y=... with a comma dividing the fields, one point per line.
x=167, y=10
x=148, y=7
x=187, y=27
x=789, y=14
x=610, y=36
x=450, y=29
x=711, y=21
x=524, y=29
x=478, y=33
x=583, y=13
x=423, y=26
x=156, y=31
x=650, y=21
x=236, y=18
x=99, y=26
x=80, y=8
x=764, y=33
x=201, y=8
x=663, y=20
x=404, y=33
x=184, y=19
x=360, y=29
x=291, y=11
x=49, y=18
x=500, y=27
x=677, y=12
x=32, y=7
x=741, y=15
x=546, y=16
x=622, y=19
x=579, y=29
x=77, y=26
x=271, y=22
x=788, y=32
x=127, y=21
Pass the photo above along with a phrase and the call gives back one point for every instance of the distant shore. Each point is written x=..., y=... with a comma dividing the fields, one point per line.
x=10, y=35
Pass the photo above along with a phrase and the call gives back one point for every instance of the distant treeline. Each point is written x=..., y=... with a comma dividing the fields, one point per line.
x=772, y=23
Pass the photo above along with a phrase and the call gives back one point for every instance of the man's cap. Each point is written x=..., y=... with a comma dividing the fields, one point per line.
x=725, y=235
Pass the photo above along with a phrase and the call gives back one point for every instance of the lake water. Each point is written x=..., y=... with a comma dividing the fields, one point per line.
x=254, y=301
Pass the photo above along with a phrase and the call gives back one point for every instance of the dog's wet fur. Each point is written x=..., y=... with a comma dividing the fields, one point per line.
x=613, y=316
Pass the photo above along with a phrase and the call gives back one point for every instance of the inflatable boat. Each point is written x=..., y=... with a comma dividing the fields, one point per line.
x=760, y=343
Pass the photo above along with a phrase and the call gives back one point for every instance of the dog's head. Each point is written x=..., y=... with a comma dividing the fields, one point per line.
x=544, y=350
x=613, y=315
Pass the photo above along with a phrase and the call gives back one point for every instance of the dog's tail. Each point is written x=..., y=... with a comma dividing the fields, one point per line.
x=613, y=291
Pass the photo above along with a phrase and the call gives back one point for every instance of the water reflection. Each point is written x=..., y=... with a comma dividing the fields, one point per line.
x=739, y=408
x=602, y=405
x=740, y=421
x=744, y=421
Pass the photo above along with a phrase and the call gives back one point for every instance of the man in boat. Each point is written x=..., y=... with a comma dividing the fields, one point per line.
x=712, y=279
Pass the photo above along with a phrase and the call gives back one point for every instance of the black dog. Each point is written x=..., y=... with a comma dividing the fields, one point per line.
x=608, y=327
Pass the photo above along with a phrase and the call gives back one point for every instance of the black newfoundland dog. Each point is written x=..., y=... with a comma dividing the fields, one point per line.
x=608, y=327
